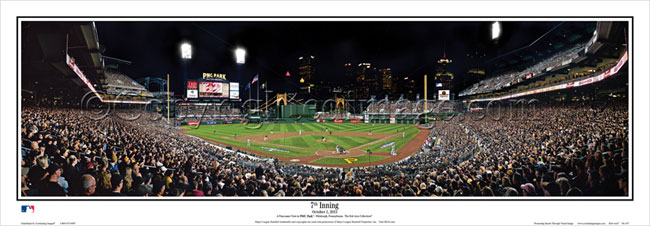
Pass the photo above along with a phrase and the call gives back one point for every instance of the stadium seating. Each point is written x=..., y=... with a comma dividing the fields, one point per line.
x=561, y=150
x=509, y=79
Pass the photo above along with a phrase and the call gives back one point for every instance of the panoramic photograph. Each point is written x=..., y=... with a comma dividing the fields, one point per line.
x=368, y=109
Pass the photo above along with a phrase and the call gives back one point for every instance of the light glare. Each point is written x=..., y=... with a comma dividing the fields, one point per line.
x=496, y=30
x=240, y=55
x=186, y=51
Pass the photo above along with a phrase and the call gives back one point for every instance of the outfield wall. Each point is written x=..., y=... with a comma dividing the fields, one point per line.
x=370, y=118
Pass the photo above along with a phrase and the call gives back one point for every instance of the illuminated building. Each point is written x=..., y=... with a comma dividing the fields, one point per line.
x=306, y=68
x=386, y=79
x=306, y=74
x=443, y=79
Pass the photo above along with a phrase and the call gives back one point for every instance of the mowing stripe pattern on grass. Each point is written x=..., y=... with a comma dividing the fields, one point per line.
x=306, y=145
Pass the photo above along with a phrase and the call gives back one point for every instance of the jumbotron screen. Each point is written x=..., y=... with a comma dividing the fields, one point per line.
x=214, y=90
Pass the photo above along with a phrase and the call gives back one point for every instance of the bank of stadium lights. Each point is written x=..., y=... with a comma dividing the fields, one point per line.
x=240, y=56
x=496, y=30
x=186, y=51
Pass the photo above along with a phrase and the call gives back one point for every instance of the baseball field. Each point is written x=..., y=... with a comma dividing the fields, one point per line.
x=360, y=144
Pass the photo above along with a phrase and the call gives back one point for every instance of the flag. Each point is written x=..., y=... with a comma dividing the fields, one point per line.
x=257, y=76
x=248, y=86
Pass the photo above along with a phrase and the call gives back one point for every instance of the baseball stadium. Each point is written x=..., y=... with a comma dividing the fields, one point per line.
x=206, y=109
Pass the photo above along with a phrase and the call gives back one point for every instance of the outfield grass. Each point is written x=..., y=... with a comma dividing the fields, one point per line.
x=293, y=152
x=311, y=141
x=224, y=133
x=349, y=160
x=229, y=130
x=399, y=141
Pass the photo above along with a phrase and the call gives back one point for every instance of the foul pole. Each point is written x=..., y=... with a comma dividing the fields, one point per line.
x=250, y=105
x=425, y=98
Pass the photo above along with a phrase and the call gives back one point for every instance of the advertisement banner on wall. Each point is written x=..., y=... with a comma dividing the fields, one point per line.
x=443, y=94
x=234, y=90
x=355, y=120
x=392, y=119
x=196, y=123
x=192, y=93
x=338, y=120
x=192, y=85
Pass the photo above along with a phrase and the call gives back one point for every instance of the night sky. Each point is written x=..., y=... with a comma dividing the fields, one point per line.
x=273, y=48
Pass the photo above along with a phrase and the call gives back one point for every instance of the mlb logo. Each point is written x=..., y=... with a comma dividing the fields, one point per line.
x=25, y=208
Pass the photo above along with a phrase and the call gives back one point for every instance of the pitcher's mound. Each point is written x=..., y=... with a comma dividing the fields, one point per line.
x=321, y=141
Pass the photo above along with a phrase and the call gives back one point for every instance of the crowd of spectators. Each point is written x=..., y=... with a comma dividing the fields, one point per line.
x=207, y=113
x=118, y=79
x=565, y=150
x=120, y=87
x=589, y=72
x=337, y=114
x=412, y=107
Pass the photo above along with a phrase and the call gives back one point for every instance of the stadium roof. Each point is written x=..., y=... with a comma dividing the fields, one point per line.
x=44, y=46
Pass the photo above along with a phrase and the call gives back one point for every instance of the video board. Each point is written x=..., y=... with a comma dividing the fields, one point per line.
x=214, y=90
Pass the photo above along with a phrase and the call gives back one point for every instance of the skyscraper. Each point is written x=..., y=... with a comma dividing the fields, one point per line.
x=443, y=79
x=306, y=74
x=349, y=75
x=386, y=80
x=367, y=80
x=306, y=68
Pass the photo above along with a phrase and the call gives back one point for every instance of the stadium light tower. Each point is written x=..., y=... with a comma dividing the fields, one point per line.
x=240, y=56
x=186, y=51
x=496, y=30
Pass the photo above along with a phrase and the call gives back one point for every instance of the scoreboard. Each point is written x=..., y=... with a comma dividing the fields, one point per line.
x=212, y=85
x=214, y=90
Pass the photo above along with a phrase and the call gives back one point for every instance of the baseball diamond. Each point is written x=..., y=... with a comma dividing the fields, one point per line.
x=310, y=149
